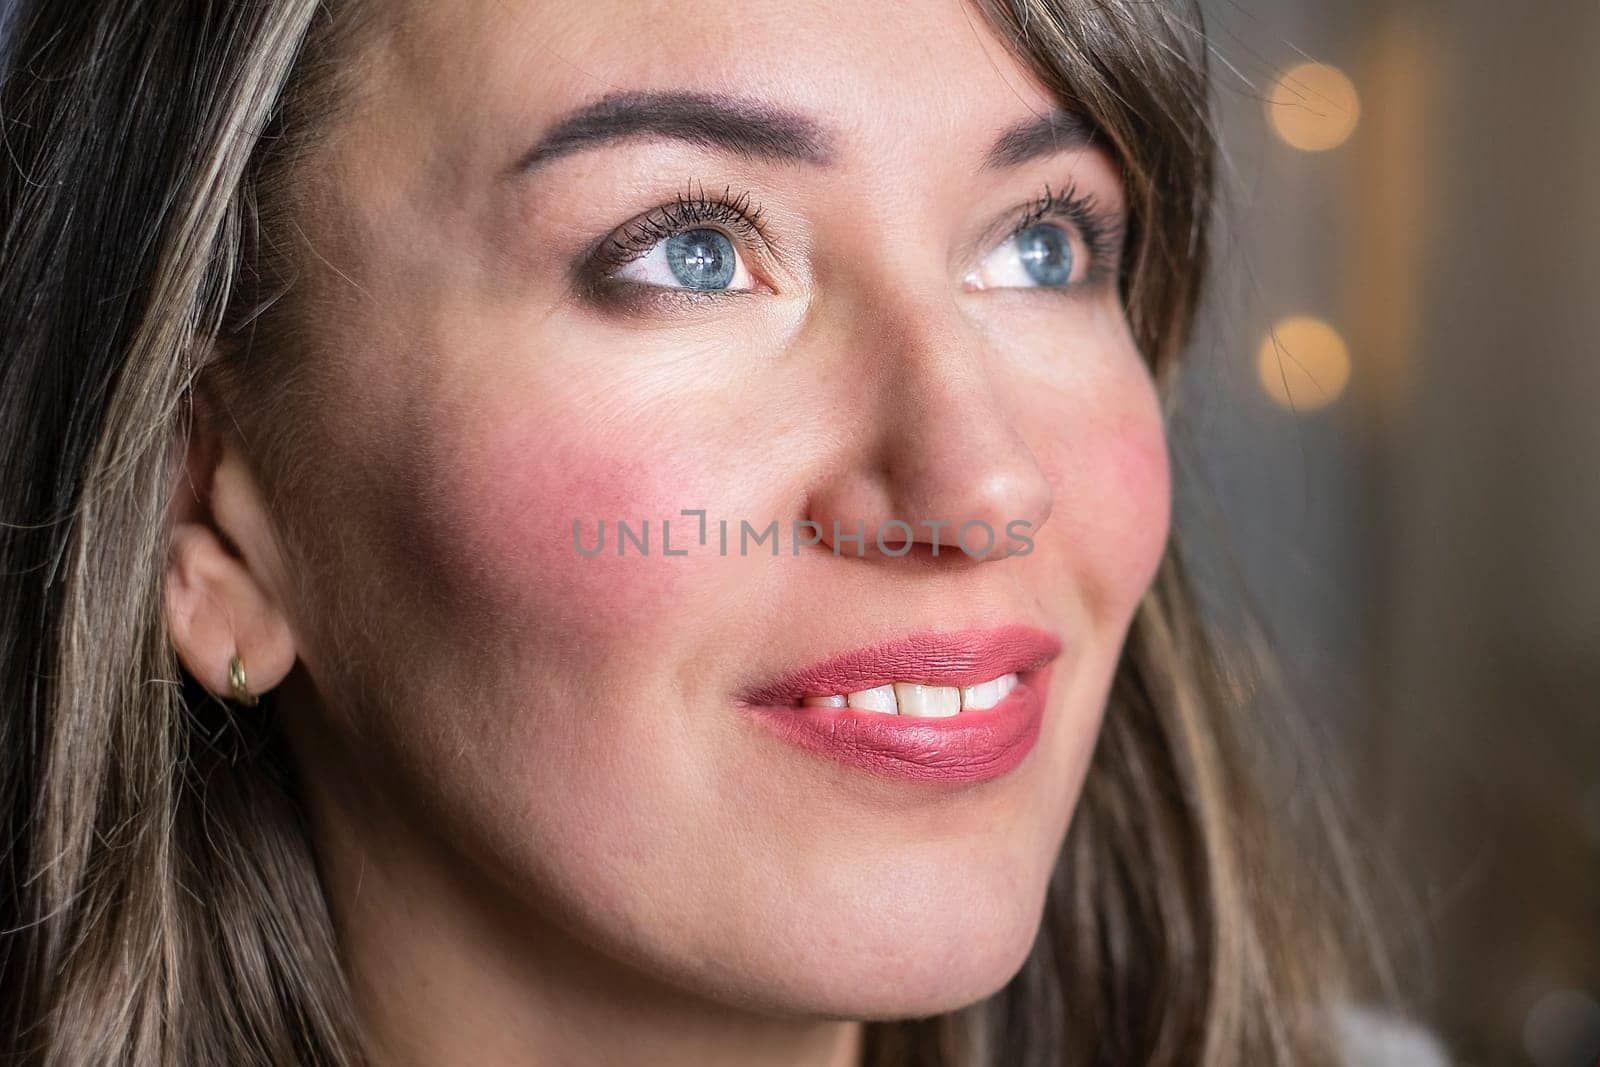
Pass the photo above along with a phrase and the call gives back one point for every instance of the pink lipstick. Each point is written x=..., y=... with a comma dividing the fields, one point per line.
x=972, y=746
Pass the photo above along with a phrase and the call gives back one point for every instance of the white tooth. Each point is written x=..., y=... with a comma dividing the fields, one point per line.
x=1008, y=682
x=927, y=701
x=880, y=699
x=982, y=696
x=823, y=702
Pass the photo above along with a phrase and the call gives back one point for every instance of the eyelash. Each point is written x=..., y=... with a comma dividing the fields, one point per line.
x=693, y=208
x=1098, y=228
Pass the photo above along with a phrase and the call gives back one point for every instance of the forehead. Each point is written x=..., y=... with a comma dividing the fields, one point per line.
x=885, y=72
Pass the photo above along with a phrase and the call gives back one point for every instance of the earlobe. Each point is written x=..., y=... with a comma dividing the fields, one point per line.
x=217, y=606
x=216, y=609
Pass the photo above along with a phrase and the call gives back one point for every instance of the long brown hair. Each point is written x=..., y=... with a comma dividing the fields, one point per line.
x=159, y=900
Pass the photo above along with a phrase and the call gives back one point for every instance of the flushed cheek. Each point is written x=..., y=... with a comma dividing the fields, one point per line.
x=531, y=530
x=1138, y=467
x=1112, y=512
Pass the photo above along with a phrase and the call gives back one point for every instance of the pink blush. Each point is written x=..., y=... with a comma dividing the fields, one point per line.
x=1112, y=485
x=1137, y=489
x=508, y=529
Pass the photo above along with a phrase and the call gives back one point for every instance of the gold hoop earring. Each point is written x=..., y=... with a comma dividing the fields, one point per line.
x=238, y=683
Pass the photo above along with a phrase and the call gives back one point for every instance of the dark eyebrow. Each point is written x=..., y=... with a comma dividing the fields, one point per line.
x=713, y=120
x=1055, y=131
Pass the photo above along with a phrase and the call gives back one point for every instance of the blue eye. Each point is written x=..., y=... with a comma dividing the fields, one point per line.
x=1041, y=256
x=701, y=260
x=1046, y=254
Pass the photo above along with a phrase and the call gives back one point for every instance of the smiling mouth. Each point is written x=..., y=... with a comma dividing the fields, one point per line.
x=920, y=701
x=947, y=707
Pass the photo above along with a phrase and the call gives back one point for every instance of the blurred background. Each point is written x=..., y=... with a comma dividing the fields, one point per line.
x=1392, y=413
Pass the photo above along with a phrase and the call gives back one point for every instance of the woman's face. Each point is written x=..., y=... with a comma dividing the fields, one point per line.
x=618, y=261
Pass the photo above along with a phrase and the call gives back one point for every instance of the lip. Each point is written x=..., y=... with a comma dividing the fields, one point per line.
x=973, y=746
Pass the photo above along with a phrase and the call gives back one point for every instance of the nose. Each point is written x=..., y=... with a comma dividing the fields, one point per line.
x=940, y=467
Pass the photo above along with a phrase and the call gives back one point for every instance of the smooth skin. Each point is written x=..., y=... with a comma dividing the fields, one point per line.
x=547, y=832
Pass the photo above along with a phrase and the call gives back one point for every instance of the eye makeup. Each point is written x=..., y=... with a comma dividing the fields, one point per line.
x=1097, y=230
x=734, y=215
x=692, y=210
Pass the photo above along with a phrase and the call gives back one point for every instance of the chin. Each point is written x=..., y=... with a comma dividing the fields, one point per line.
x=931, y=976
x=906, y=959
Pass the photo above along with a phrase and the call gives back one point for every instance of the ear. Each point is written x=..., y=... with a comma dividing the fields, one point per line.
x=223, y=566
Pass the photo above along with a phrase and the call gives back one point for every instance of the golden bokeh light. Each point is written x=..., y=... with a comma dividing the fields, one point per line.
x=1314, y=107
x=1304, y=364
